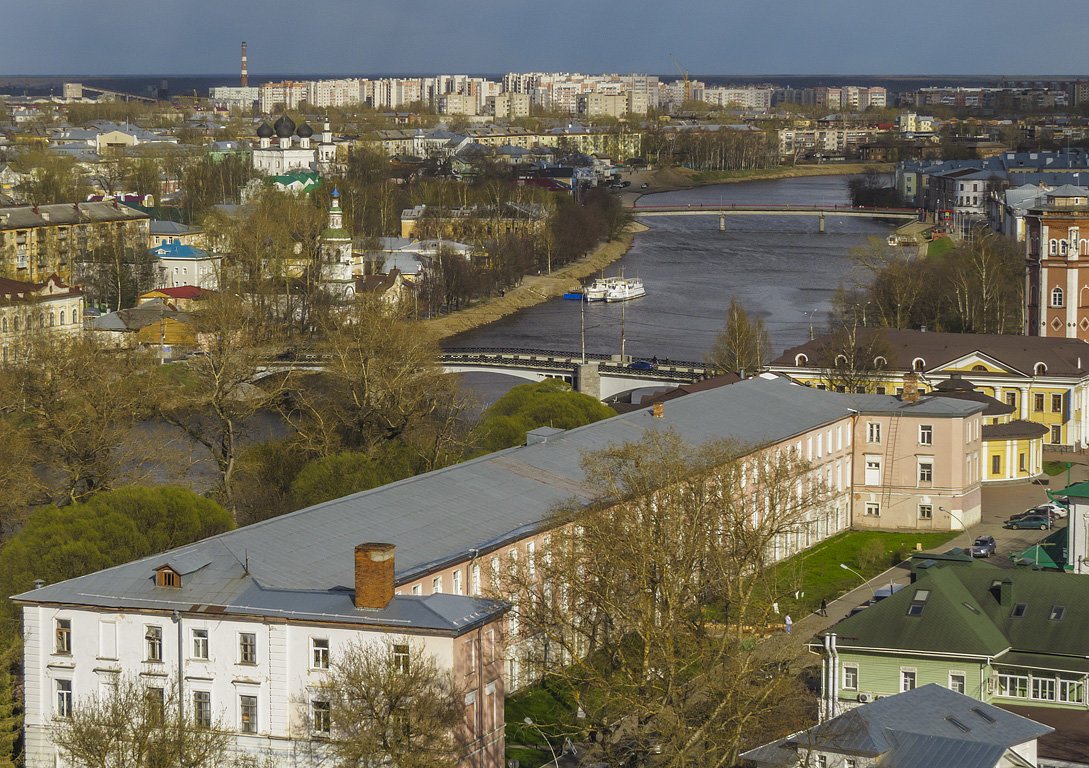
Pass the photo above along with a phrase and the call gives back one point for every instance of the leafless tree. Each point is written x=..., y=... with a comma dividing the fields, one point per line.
x=391, y=704
x=742, y=345
x=648, y=603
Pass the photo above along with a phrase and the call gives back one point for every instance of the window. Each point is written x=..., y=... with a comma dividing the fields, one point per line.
x=873, y=509
x=320, y=716
x=907, y=680
x=153, y=641
x=1056, y=297
x=1019, y=610
x=62, y=641
x=926, y=434
x=319, y=653
x=64, y=698
x=202, y=708
x=401, y=658
x=958, y=723
x=850, y=678
x=1038, y=402
x=926, y=512
x=200, y=644
x=455, y=585
x=156, y=703
x=956, y=682
x=247, y=714
x=983, y=715
x=873, y=470
x=996, y=464
x=1013, y=686
x=164, y=577
x=436, y=585
x=926, y=471
x=1021, y=462
x=1011, y=398
x=1071, y=691
x=1043, y=688
x=850, y=762
x=873, y=432
x=822, y=761
x=1057, y=613
x=475, y=577
x=247, y=648
x=1056, y=434
x=417, y=589
x=1056, y=403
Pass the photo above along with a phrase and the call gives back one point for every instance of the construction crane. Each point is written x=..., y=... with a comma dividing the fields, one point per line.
x=684, y=74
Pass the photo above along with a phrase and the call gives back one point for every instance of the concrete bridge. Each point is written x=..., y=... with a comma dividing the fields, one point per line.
x=600, y=376
x=722, y=210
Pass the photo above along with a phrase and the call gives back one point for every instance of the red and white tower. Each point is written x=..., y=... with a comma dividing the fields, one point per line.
x=245, y=74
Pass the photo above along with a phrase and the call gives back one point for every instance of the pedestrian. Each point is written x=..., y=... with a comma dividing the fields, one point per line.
x=824, y=607
x=788, y=622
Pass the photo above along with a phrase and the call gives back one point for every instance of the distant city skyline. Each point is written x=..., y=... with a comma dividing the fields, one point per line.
x=996, y=37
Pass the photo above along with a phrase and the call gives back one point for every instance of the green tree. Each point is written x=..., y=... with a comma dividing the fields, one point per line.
x=742, y=346
x=341, y=474
x=11, y=719
x=548, y=403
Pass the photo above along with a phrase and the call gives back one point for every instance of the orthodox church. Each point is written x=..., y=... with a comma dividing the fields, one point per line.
x=285, y=155
x=336, y=254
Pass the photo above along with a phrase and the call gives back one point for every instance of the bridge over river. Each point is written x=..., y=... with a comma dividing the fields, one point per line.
x=722, y=210
x=600, y=376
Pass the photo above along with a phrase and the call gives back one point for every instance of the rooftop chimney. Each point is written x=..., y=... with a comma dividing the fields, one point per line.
x=658, y=411
x=911, y=388
x=245, y=73
x=373, y=575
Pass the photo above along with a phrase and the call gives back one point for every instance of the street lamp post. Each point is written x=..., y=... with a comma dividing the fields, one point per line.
x=529, y=721
x=963, y=527
x=859, y=575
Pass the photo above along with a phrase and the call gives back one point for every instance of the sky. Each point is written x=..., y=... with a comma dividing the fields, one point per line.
x=722, y=37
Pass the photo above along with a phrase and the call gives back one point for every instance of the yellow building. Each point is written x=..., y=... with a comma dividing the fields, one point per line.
x=37, y=241
x=469, y=224
x=1044, y=380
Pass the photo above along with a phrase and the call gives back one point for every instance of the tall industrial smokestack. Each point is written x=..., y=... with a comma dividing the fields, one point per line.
x=245, y=74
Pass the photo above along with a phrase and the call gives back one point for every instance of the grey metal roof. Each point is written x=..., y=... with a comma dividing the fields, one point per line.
x=26, y=216
x=304, y=561
x=916, y=729
x=925, y=406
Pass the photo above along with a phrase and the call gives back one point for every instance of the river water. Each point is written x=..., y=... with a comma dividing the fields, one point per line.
x=779, y=267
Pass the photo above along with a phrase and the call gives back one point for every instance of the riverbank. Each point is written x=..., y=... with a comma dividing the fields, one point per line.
x=535, y=289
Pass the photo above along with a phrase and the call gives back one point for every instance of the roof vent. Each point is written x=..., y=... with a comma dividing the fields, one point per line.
x=541, y=435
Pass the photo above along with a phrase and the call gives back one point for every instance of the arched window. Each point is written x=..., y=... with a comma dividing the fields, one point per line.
x=62, y=317
x=801, y=360
x=841, y=360
x=918, y=364
x=41, y=319
x=5, y=324
x=15, y=323
x=52, y=318
x=1053, y=246
x=1056, y=297
x=75, y=316
x=1039, y=369
x=880, y=362
x=979, y=368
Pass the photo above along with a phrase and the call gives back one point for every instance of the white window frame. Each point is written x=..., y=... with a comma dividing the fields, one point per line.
x=199, y=643
x=1056, y=297
x=436, y=585
x=873, y=432
x=242, y=644
x=956, y=673
x=63, y=688
x=926, y=465
x=914, y=677
x=926, y=434
x=852, y=670
x=243, y=699
x=926, y=511
x=153, y=643
x=872, y=509
x=320, y=724
x=319, y=653
x=198, y=714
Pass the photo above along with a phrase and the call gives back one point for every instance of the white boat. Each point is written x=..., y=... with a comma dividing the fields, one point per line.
x=625, y=288
x=597, y=289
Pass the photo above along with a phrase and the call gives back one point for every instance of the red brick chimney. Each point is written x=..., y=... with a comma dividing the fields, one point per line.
x=911, y=388
x=373, y=575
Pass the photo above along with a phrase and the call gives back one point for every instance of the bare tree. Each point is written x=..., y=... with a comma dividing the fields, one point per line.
x=389, y=703
x=742, y=345
x=131, y=723
x=645, y=604
x=854, y=359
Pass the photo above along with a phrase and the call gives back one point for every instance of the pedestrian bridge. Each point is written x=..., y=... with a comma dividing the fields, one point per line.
x=722, y=210
x=600, y=376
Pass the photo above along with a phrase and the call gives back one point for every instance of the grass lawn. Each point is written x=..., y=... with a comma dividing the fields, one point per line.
x=816, y=573
x=544, y=703
x=1054, y=468
x=938, y=247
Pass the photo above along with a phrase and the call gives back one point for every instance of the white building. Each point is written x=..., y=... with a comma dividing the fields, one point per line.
x=285, y=156
x=177, y=264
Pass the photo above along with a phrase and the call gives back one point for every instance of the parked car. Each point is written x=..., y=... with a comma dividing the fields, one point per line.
x=641, y=365
x=644, y=185
x=1043, y=522
x=1033, y=512
x=984, y=546
x=1054, y=508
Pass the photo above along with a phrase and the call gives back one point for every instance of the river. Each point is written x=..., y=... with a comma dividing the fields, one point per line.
x=779, y=267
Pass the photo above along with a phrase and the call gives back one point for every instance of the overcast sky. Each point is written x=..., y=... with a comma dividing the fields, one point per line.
x=1000, y=37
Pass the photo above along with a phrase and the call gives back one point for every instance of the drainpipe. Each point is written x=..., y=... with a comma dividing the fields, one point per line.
x=834, y=674
x=176, y=618
x=824, y=681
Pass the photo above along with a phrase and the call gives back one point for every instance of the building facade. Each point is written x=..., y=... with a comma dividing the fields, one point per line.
x=1056, y=277
x=50, y=308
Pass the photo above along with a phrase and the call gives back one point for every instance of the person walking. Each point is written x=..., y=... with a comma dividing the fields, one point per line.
x=788, y=622
x=824, y=607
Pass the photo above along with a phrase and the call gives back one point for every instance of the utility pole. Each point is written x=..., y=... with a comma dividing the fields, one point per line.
x=623, y=316
x=582, y=320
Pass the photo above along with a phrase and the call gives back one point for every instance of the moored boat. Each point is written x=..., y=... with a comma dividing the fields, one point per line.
x=625, y=288
x=596, y=290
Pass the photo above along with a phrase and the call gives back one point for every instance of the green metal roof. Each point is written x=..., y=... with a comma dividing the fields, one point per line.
x=1049, y=552
x=1044, y=661
x=1079, y=490
x=949, y=622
